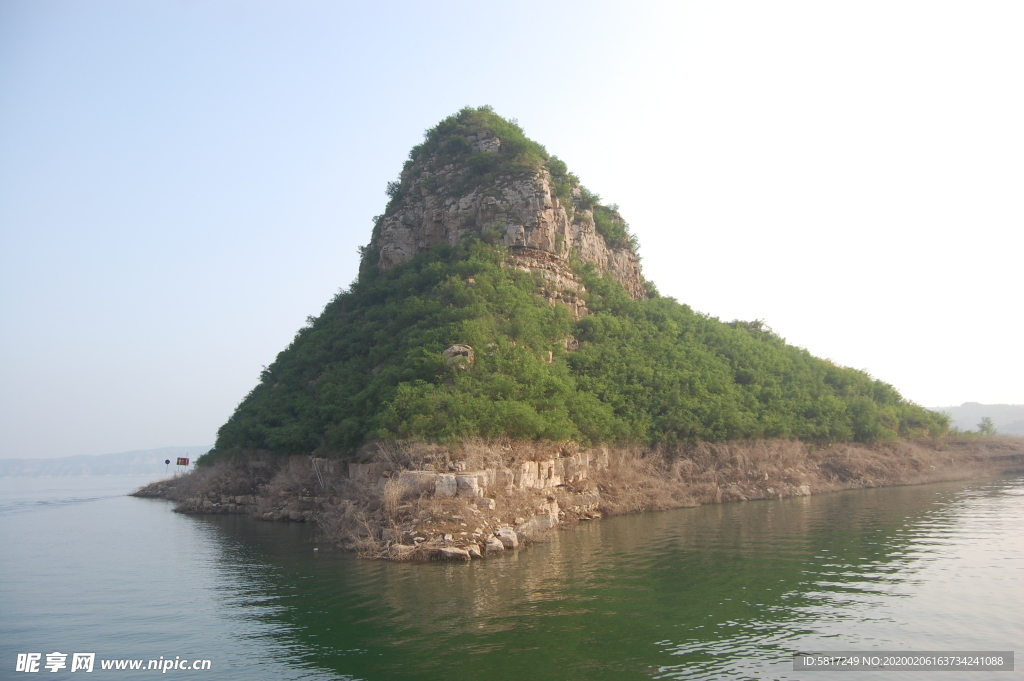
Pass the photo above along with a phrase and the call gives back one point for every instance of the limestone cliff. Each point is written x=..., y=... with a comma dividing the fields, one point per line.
x=437, y=200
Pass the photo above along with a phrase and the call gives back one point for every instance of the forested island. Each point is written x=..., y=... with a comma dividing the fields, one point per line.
x=501, y=366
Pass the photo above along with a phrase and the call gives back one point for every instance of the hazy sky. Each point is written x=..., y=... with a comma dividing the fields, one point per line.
x=182, y=183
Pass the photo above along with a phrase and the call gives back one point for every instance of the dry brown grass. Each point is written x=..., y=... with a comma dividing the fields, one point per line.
x=225, y=477
x=475, y=453
x=405, y=454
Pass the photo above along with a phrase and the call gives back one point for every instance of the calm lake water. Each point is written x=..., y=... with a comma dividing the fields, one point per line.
x=727, y=591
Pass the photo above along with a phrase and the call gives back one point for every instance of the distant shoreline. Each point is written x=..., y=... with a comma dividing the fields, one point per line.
x=137, y=462
x=1008, y=419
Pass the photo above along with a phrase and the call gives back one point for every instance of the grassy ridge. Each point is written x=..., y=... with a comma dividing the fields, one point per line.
x=650, y=371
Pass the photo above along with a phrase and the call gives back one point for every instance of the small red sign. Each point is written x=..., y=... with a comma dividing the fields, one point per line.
x=182, y=461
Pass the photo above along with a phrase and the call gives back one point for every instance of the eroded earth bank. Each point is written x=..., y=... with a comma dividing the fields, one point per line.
x=416, y=501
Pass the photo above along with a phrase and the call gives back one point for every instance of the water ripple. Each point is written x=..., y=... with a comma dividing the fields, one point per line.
x=730, y=591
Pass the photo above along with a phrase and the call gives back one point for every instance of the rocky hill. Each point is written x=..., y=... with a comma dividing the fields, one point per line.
x=501, y=367
x=499, y=298
x=436, y=200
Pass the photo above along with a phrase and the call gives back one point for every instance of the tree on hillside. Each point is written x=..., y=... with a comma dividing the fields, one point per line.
x=986, y=427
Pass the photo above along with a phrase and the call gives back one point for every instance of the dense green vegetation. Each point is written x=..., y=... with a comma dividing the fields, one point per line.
x=370, y=367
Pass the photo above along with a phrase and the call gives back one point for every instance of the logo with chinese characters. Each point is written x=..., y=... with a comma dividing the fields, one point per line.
x=80, y=662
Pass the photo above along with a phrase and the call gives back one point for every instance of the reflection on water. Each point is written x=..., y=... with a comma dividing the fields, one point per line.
x=728, y=591
x=695, y=593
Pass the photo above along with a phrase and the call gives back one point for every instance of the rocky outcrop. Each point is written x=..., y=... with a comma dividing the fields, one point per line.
x=459, y=357
x=520, y=210
x=384, y=510
x=546, y=474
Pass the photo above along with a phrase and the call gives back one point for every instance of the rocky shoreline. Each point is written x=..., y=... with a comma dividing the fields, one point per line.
x=416, y=501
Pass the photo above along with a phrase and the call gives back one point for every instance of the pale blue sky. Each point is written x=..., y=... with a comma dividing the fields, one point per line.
x=181, y=183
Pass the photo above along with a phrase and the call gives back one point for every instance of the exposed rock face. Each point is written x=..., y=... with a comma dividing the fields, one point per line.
x=521, y=211
x=508, y=537
x=459, y=356
x=453, y=553
x=446, y=486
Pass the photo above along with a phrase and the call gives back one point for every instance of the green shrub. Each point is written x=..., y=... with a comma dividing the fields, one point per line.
x=562, y=180
x=588, y=199
x=613, y=228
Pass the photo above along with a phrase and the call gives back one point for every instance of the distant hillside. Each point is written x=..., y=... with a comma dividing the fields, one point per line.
x=1015, y=428
x=146, y=461
x=1008, y=418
